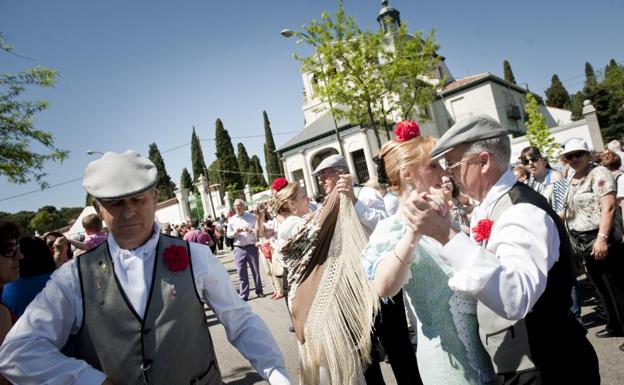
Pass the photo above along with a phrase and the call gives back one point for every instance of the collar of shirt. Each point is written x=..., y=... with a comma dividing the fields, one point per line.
x=147, y=248
x=501, y=187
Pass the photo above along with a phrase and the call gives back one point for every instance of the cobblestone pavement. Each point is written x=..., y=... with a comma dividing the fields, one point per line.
x=236, y=369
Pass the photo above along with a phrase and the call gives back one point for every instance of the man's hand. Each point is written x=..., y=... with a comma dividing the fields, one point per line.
x=60, y=245
x=427, y=214
x=345, y=186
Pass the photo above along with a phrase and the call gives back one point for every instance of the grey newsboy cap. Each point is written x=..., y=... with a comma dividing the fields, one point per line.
x=476, y=127
x=332, y=161
x=115, y=176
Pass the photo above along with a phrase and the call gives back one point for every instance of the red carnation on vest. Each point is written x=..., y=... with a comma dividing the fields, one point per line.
x=176, y=257
x=406, y=130
x=482, y=230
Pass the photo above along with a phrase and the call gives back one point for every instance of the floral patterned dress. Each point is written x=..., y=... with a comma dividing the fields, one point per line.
x=583, y=209
x=449, y=349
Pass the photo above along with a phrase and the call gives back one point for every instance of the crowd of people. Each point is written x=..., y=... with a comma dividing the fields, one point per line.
x=477, y=254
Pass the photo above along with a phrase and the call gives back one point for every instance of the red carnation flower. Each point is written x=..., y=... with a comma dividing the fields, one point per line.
x=482, y=230
x=406, y=130
x=279, y=184
x=176, y=257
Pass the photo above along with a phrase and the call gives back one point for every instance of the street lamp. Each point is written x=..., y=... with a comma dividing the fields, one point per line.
x=91, y=152
x=289, y=33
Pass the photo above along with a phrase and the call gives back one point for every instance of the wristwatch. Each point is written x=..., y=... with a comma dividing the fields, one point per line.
x=605, y=236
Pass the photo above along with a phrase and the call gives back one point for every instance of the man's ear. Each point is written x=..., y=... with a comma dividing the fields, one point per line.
x=486, y=161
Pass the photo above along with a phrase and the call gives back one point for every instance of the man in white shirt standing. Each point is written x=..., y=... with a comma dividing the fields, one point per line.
x=516, y=262
x=131, y=311
x=242, y=227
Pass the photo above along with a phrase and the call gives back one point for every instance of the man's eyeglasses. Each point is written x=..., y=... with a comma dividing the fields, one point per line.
x=446, y=166
x=10, y=251
x=572, y=155
x=525, y=161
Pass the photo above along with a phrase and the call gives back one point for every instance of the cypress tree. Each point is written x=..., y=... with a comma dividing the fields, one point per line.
x=165, y=185
x=243, y=163
x=257, y=178
x=185, y=179
x=508, y=73
x=273, y=164
x=214, y=172
x=230, y=175
x=557, y=95
x=590, y=80
x=197, y=158
x=577, y=106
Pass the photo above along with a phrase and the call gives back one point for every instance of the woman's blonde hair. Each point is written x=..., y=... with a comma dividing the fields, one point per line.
x=279, y=201
x=395, y=155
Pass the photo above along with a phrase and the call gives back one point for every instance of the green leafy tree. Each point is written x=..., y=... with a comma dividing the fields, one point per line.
x=538, y=132
x=508, y=73
x=165, y=185
x=231, y=179
x=197, y=159
x=69, y=214
x=185, y=180
x=46, y=220
x=273, y=164
x=243, y=163
x=18, y=162
x=613, y=84
x=577, y=106
x=556, y=95
x=368, y=76
x=590, y=80
x=256, y=179
x=22, y=219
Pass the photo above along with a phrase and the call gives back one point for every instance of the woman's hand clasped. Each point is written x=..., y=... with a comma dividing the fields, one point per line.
x=427, y=214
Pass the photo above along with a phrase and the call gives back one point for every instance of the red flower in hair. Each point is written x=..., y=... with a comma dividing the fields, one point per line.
x=406, y=130
x=279, y=184
x=176, y=257
x=482, y=230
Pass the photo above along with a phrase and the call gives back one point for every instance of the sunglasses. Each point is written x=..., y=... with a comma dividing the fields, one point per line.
x=572, y=155
x=525, y=161
x=10, y=251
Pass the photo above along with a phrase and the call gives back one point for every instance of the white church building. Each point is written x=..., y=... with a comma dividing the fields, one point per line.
x=455, y=100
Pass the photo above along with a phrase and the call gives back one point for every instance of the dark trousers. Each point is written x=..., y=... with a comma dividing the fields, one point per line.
x=391, y=329
x=608, y=278
x=243, y=256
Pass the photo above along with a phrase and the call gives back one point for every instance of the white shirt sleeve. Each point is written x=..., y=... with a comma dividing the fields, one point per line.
x=31, y=352
x=370, y=208
x=244, y=329
x=509, y=275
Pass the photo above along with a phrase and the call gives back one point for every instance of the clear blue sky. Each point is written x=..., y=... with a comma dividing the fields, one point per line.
x=139, y=72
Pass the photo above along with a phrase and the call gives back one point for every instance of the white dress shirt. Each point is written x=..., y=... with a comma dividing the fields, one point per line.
x=370, y=207
x=510, y=274
x=236, y=222
x=31, y=353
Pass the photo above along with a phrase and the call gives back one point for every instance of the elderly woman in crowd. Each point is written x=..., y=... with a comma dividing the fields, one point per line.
x=10, y=256
x=613, y=162
x=589, y=213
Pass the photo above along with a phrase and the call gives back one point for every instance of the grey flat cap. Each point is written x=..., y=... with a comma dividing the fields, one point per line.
x=115, y=176
x=476, y=127
x=335, y=160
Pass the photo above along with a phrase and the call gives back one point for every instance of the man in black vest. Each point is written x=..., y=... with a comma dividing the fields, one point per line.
x=131, y=311
x=516, y=262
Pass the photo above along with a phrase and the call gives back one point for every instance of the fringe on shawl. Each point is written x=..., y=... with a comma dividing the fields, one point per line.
x=340, y=320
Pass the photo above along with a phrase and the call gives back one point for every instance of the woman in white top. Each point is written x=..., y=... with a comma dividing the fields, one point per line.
x=288, y=204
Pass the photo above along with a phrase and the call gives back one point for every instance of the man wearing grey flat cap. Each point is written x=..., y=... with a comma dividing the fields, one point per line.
x=131, y=311
x=516, y=262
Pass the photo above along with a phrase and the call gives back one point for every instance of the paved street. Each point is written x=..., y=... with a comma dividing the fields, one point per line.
x=237, y=371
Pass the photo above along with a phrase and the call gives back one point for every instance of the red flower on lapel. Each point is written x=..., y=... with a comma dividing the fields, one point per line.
x=482, y=230
x=176, y=257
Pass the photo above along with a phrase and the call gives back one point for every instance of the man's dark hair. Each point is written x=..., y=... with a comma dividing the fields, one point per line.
x=92, y=222
x=9, y=231
x=37, y=257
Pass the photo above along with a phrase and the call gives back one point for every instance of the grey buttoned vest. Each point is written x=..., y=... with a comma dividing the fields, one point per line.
x=171, y=345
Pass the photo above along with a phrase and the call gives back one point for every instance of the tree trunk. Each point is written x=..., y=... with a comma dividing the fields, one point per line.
x=374, y=126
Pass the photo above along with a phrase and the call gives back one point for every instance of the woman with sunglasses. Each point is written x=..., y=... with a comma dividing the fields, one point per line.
x=589, y=213
x=538, y=166
x=10, y=256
